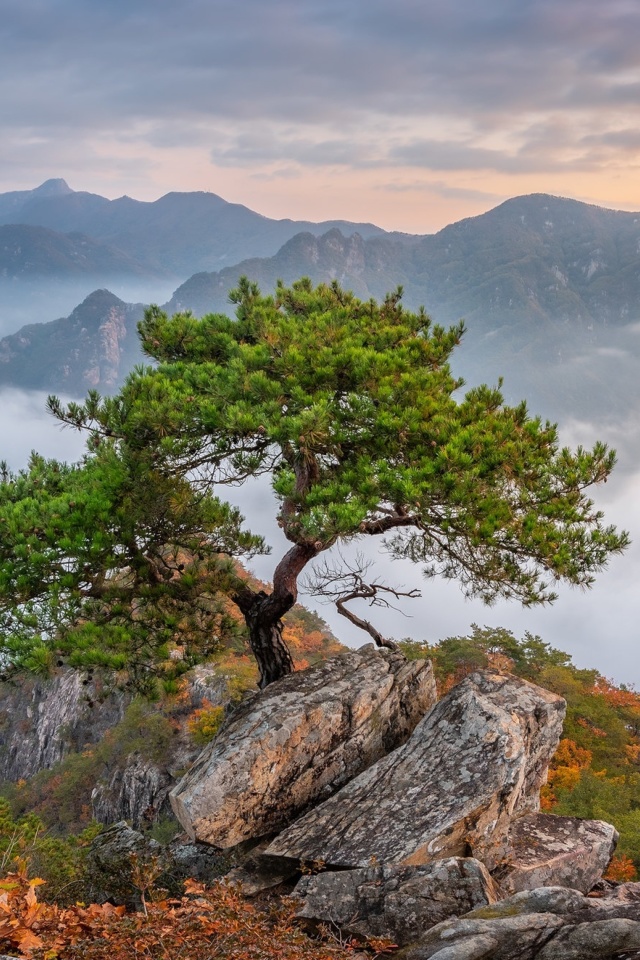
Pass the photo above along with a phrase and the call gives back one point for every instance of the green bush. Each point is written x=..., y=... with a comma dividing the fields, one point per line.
x=60, y=862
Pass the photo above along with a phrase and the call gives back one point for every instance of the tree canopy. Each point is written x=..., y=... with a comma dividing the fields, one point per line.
x=110, y=563
x=352, y=410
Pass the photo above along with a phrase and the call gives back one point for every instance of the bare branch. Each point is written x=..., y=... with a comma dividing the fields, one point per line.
x=347, y=582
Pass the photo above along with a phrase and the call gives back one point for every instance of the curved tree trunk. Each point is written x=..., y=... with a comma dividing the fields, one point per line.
x=263, y=614
x=265, y=637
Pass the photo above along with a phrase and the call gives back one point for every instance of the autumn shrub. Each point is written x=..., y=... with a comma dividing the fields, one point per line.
x=239, y=672
x=164, y=830
x=204, y=723
x=621, y=869
x=205, y=924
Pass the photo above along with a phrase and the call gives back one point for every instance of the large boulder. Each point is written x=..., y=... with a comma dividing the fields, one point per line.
x=474, y=762
x=394, y=902
x=544, y=850
x=296, y=742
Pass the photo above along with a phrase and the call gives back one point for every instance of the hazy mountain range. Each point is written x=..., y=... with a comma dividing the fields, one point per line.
x=175, y=236
x=57, y=245
x=549, y=287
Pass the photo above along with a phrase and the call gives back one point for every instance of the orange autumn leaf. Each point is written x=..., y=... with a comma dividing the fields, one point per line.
x=28, y=941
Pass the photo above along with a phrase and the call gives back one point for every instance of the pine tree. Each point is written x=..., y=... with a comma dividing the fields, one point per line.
x=352, y=410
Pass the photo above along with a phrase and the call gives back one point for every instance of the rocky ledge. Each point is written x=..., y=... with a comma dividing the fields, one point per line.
x=423, y=817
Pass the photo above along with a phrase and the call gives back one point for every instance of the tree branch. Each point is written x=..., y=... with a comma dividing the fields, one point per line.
x=342, y=585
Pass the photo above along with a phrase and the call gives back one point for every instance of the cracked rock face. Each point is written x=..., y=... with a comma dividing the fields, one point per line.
x=138, y=793
x=395, y=902
x=547, y=851
x=297, y=741
x=474, y=762
x=42, y=720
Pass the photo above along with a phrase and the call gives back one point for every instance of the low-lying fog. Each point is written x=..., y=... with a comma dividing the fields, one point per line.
x=41, y=302
x=599, y=628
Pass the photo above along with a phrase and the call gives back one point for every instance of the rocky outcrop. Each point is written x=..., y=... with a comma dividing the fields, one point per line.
x=532, y=925
x=94, y=346
x=137, y=792
x=474, y=762
x=300, y=739
x=42, y=720
x=121, y=862
x=395, y=902
x=115, y=857
x=548, y=851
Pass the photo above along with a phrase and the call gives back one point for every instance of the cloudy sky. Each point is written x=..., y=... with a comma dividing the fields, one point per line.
x=411, y=114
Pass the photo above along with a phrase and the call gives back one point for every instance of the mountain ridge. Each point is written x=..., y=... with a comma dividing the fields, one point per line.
x=178, y=234
x=92, y=347
x=549, y=288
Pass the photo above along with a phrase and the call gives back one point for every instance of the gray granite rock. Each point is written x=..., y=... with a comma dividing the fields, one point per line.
x=506, y=938
x=550, y=923
x=593, y=941
x=558, y=900
x=258, y=873
x=112, y=860
x=546, y=850
x=297, y=741
x=394, y=902
x=118, y=853
x=196, y=861
x=571, y=905
x=627, y=892
x=476, y=760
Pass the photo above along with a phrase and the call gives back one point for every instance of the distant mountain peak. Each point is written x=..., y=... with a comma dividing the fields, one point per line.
x=99, y=300
x=56, y=187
